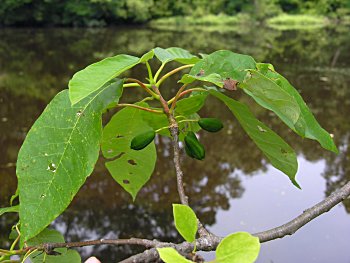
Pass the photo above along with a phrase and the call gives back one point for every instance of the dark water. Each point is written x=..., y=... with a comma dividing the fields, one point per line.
x=234, y=188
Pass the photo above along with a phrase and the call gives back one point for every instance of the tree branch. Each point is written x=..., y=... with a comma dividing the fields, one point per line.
x=174, y=131
x=308, y=215
x=210, y=242
x=206, y=242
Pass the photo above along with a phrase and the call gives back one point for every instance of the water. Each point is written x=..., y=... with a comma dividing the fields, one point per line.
x=235, y=188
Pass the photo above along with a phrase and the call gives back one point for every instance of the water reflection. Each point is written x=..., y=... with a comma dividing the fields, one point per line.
x=36, y=64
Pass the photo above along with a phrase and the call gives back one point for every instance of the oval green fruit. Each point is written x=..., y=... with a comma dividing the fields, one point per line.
x=210, y=124
x=142, y=140
x=193, y=147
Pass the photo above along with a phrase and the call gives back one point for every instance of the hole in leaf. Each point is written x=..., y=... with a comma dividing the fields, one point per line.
x=117, y=157
x=261, y=129
x=132, y=162
x=110, y=151
x=42, y=195
x=126, y=181
x=52, y=167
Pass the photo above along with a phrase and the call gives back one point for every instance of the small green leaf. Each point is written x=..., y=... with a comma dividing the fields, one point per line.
x=220, y=65
x=306, y=124
x=14, y=196
x=270, y=96
x=11, y=209
x=185, y=222
x=58, y=154
x=280, y=154
x=94, y=76
x=149, y=55
x=170, y=255
x=192, y=104
x=240, y=247
x=130, y=168
x=52, y=236
x=175, y=54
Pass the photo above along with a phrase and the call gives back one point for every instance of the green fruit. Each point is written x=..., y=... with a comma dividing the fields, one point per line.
x=189, y=153
x=193, y=147
x=142, y=140
x=210, y=124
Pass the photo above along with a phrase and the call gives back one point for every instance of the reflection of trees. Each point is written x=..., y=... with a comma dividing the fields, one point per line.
x=39, y=67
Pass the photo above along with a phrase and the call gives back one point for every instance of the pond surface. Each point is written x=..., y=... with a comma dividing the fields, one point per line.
x=234, y=188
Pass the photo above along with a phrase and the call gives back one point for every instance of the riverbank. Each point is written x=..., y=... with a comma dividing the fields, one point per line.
x=280, y=22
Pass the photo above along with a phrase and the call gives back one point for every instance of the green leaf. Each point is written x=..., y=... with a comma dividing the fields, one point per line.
x=240, y=247
x=170, y=255
x=280, y=154
x=306, y=125
x=14, y=196
x=130, y=168
x=58, y=154
x=11, y=209
x=220, y=65
x=94, y=76
x=175, y=54
x=185, y=222
x=270, y=96
x=52, y=236
x=149, y=55
x=156, y=121
x=192, y=104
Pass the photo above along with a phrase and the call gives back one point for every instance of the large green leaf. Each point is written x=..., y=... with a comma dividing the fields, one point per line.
x=58, y=154
x=175, y=54
x=240, y=247
x=52, y=236
x=11, y=209
x=170, y=255
x=94, y=76
x=220, y=65
x=306, y=125
x=185, y=222
x=192, y=104
x=270, y=96
x=130, y=168
x=280, y=154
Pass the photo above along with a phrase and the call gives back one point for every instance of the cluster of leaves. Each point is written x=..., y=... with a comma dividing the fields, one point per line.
x=61, y=149
x=238, y=247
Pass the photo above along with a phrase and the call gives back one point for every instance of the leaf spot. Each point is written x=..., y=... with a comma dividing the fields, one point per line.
x=200, y=73
x=230, y=84
x=119, y=136
x=52, y=167
x=132, y=162
x=79, y=113
x=126, y=181
x=261, y=129
x=283, y=151
x=46, y=154
x=110, y=151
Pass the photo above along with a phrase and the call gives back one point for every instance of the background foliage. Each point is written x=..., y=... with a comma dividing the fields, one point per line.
x=107, y=12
